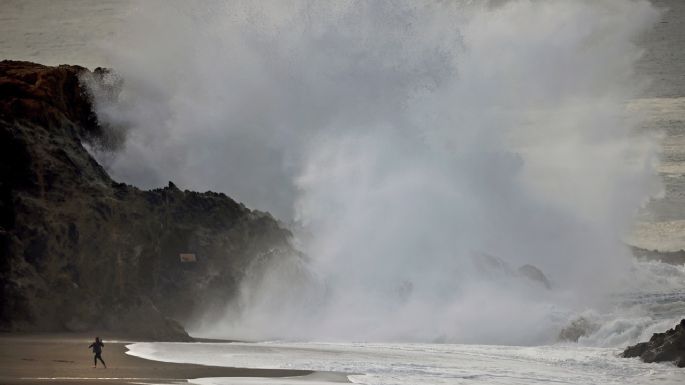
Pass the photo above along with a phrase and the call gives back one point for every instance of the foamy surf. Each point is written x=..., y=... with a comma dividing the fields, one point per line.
x=419, y=364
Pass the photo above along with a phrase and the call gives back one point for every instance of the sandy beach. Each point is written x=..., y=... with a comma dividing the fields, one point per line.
x=65, y=359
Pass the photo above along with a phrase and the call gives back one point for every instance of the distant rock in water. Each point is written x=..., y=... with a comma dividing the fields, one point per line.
x=490, y=266
x=534, y=274
x=496, y=268
x=580, y=327
x=82, y=252
x=662, y=347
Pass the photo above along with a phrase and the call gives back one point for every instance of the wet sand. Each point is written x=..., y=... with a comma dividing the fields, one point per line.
x=65, y=359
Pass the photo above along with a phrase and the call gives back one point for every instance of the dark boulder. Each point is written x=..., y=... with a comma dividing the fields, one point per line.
x=662, y=347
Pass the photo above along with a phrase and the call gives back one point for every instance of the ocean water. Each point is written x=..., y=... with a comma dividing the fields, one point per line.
x=60, y=32
x=661, y=224
x=419, y=364
x=653, y=300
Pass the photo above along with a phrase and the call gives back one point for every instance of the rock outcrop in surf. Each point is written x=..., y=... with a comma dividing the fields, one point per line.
x=672, y=257
x=491, y=267
x=579, y=327
x=662, y=347
x=81, y=251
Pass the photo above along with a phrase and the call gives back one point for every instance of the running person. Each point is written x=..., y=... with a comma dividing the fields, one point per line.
x=97, y=349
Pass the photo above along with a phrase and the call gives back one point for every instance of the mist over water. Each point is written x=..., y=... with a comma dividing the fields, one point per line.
x=404, y=143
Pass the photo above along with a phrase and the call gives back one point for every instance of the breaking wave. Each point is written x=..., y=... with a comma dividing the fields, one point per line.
x=424, y=155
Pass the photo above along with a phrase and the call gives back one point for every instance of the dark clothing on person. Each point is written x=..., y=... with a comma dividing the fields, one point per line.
x=98, y=357
x=97, y=349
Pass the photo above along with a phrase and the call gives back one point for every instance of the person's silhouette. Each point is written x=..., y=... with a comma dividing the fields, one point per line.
x=97, y=350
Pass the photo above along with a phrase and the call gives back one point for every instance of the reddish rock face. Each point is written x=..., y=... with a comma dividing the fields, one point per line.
x=83, y=252
x=45, y=114
x=49, y=96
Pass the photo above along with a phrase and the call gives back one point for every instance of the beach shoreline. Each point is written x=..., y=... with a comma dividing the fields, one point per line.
x=64, y=358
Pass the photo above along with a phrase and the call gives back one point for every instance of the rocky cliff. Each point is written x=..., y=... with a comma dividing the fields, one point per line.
x=662, y=347
x=83, y=252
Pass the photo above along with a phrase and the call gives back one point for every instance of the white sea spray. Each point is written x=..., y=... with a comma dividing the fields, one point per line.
x=401, y=141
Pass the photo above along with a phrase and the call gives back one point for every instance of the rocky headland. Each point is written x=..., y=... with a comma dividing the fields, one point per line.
x=672, y=257
x=662, y=347
x=81, y=251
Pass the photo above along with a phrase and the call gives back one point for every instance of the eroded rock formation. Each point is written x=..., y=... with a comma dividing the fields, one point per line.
x=83, y=252
x=662, y=347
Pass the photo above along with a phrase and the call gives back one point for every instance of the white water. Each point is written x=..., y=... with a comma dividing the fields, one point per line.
x=420, y=364
x=653, y=300
x=400, y=140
